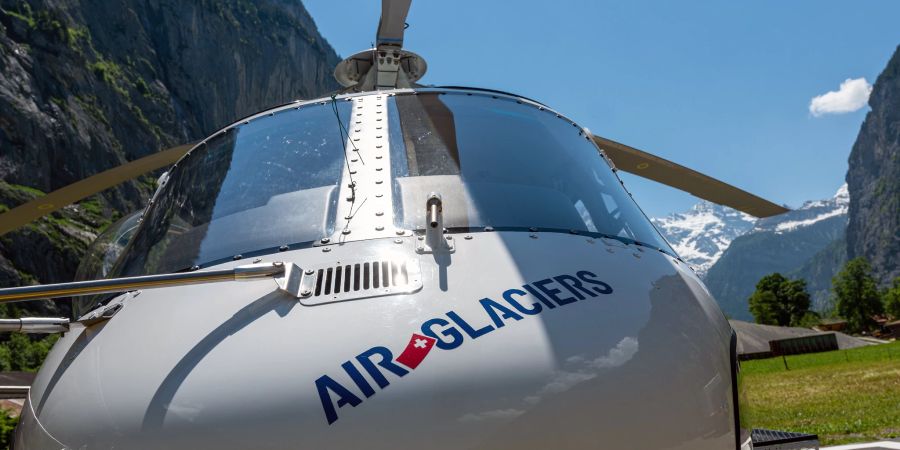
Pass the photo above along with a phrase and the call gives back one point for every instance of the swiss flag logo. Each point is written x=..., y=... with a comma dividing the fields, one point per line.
x=416, y=350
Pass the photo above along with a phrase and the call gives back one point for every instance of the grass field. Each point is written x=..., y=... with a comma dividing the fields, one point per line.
x=843, y=396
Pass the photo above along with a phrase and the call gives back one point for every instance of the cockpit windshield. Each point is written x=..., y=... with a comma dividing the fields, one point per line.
x=261, y=184
x=500, y=162
x=275, y=180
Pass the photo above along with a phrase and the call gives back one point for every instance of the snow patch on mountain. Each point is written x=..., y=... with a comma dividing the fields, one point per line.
x=702, y=234
x=810, y=213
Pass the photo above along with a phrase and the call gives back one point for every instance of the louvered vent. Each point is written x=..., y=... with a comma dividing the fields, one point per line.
x=354, y=280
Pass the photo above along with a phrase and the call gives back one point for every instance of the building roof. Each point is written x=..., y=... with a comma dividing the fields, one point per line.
x=754, y=338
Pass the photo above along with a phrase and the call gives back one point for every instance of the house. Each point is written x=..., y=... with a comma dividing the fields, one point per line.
x=829, y=324
x=892, y=329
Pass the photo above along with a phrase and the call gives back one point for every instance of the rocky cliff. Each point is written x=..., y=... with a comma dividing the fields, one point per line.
x=874, y=179
x=89, y=84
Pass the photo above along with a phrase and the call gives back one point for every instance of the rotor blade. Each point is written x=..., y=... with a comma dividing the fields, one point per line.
x=654, y=168
x=392, y=22
x=74, y=192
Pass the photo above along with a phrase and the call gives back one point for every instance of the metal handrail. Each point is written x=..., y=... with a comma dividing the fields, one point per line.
x=35, y=325
x=14, y=392
x=114, y=285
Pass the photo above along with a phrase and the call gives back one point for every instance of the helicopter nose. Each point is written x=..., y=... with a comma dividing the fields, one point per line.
x=547, y=342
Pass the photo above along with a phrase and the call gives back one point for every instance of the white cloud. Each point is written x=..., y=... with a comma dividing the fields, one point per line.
x=853, y=95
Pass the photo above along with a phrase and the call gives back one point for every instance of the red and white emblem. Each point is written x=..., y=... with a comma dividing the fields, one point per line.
x=416, y=350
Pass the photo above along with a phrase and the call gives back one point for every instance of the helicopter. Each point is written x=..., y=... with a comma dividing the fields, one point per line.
x=394, y=265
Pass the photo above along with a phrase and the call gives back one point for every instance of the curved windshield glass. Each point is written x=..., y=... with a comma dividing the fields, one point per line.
x=502, y=163
x=275, y=180
x=102, y=254
x=266, y=183
x=99, y=259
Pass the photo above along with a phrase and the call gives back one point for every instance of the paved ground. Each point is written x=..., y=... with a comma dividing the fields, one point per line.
x=883, y=445
x=12, y=406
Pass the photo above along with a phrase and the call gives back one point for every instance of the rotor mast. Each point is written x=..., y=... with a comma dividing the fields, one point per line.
x=393, y=66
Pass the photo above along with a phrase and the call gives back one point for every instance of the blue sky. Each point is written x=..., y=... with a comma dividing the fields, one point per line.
x=723, y=87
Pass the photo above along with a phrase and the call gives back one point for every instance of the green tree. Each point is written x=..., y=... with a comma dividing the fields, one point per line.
x=22, y=352
x=809, y=320
x=779, y=301
x=7, y=427
x=891, y=299
x=856, y=295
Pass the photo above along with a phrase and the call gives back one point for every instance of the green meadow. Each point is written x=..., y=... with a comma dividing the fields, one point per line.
x=843, y=396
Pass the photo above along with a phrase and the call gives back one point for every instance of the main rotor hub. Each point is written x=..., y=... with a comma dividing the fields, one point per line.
x=394, y=68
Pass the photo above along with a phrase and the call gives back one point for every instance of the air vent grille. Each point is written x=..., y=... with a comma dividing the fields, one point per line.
x=362, y=279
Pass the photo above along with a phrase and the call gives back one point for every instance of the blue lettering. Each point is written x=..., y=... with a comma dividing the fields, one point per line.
x=552, y=292
x=508, y=296
x=604, y=288
x=574, y=286
x=538, y=296
x=325, y=384
x=449, y=332
x=473, y=333
x=492, y=307
x=387, y=362
x=357, y=378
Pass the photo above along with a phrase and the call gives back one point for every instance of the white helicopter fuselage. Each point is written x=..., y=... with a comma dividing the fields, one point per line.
x=488, y=335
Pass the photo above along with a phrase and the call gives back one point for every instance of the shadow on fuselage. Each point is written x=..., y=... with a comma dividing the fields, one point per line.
x=156, y=410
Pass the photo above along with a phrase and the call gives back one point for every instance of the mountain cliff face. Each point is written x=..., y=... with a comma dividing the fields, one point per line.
x=89, y=84
x=702, y=234
x=874, y=179
x=784, y=243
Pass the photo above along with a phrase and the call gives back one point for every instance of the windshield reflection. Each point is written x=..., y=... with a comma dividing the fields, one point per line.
x=265, y=183
x=506, y=164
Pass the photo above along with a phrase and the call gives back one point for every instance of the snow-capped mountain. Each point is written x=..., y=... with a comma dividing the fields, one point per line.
x=809, y=214
x=802, y=243
x=702, y=234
